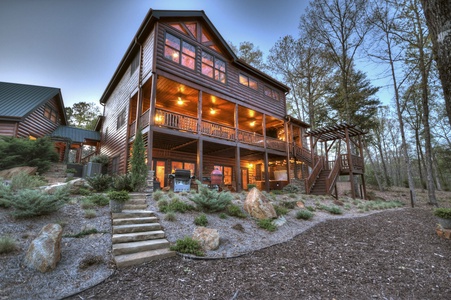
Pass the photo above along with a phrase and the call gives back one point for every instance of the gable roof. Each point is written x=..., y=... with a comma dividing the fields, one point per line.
x=76, y=135
x=17, y=101
x=146, y=27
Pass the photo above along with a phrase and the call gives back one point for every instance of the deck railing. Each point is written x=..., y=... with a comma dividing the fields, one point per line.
x=276, y=144
x=315, y=172
x=217, y=130
x=357, y=163
x=333, y=175
x=175, y=121
x=144, y=119
x=251, y=138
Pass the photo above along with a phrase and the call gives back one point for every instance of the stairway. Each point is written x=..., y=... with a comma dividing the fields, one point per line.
x=137, y=235
x=319, y=187
x=56, y=173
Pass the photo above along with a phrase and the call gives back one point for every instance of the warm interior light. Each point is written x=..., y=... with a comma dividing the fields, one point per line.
x=252, y=123
x=179, y=101
x=212, y=111
x=159, y=119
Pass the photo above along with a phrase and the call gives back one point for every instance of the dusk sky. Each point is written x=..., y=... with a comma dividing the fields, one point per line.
x=76, y=45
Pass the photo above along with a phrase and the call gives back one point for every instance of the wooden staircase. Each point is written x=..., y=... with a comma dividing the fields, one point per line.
x=319, y=187
x=137, y=235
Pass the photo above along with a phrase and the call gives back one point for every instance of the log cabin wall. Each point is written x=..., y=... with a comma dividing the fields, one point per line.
x=114, y=139
x=36, y=124
x=8, y=128
x=147, y=58
x=232, y=90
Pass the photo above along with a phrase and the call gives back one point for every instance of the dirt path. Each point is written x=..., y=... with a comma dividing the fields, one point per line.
x=388, y=255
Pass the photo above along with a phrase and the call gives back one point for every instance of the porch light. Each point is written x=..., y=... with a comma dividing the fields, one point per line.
x=179, y=101
x=212, y=111
x=252, y=123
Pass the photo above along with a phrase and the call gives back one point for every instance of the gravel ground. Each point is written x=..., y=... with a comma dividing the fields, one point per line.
x=385, y=255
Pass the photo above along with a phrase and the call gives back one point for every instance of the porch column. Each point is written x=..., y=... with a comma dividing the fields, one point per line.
x=199, y=160
x=266, y=172
x=289, y=143
x=363, y=167
x=351, y=177
x=199, y=113
x=153, y=94
x=238, y=186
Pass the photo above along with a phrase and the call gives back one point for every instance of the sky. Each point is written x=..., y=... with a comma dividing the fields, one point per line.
x=76, y=45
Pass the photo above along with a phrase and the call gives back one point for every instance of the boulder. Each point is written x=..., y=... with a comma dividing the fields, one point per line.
x=45, y=250
x=10, y=173
x=258, y=206
x=207, y=237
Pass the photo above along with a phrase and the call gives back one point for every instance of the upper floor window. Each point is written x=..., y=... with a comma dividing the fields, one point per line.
x=120, y=119
x=271, y=93
x=213, y=67
x=179, y=51
x=247, y=81
x=50, y=114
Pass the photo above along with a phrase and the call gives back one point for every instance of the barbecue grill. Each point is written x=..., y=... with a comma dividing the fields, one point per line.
x=181, y=180
x=215, y=179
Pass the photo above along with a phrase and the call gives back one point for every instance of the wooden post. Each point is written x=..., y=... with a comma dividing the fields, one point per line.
x=351, y=177
x=238, y=186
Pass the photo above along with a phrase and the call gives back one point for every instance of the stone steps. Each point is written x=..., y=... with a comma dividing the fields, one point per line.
x=137, y=234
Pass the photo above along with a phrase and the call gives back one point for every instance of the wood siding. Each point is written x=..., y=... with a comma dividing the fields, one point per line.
x=114, y=143
x=147, y=58
x=232, y=89
x=36, y=124
x=7, y=128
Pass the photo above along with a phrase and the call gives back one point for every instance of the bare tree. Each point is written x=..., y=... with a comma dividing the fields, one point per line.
x=438, y=17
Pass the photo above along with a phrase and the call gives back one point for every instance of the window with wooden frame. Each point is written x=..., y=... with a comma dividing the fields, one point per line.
x=121, y=119
x=247, y=81
x=226, y=173
x=115, y=165
x=271, y=93
x=179, y=51
x=213, y=67
x=50, y=114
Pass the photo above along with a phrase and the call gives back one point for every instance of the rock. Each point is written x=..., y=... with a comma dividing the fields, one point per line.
x=238, y=227
x=45, y=250
x=207, y=237
x=258, y=206
x=51, y=189
x=300, y=204
x=9, y=173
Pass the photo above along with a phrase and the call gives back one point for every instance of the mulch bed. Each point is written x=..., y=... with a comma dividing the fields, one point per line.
x=389, y=255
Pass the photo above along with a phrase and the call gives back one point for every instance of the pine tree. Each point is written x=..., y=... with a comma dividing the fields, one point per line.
x=138, y=164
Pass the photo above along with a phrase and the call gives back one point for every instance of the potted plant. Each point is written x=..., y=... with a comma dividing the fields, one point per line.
x=443, y=217
x=117, y=200
x=70, y=172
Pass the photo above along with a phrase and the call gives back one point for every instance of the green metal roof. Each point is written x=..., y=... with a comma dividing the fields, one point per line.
x=76, y=135
x=19, y=100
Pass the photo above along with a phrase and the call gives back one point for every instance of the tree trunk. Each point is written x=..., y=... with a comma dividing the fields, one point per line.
x=438, y=19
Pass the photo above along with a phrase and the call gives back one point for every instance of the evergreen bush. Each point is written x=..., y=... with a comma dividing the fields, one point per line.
x=7, y=245
x=280, y=210
x=19, y=152
x=188, y=246
x=210, y=200
x=100, y=182
x=235, y=211
x=201, y=220
x=5, y=193
x=138, y=163
x=100, y=159
x=291, y=189
x=304, y=215
x=24, y=181
x=31, y=203
x=122, y=183
x=266, y=224
x=158, y=195
x=99, y=199
x=119, y=196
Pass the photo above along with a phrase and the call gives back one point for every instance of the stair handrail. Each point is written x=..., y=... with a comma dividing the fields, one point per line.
x=312, y=177
x=333, y=175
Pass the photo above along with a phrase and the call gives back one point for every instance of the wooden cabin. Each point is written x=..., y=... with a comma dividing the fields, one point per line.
x=200, y=108
x=29, y=111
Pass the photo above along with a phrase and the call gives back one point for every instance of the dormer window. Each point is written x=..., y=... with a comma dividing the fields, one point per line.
x=50, y=114
x=179, y=51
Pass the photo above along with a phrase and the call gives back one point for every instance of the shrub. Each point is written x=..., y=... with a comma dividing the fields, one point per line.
x=87, y=203
x=83, y=233
x=122, y=183
x=174, y=205
x=310, y=208
x=304, y=215
x=201, y=220
x=24, y=181
x=289, y=204
x=7, y=245
x=99, y=199
x=119, y=196
x=210, y=200
x=280, y=210
x=80, y=191
x=101, y=159
x=138, y=167
x=222, y=216
x=90, y=213
x=188, y=246
x=250, y=186
x=100, y=182
x=18, y=152
x=5, y=193
x=442, y=212
x=30, y=203
x=235, y=211
x=267, y=224
x=158, y=195
x=170, y=216
x=291, y=189
x=335, y=210
x=171, y=194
